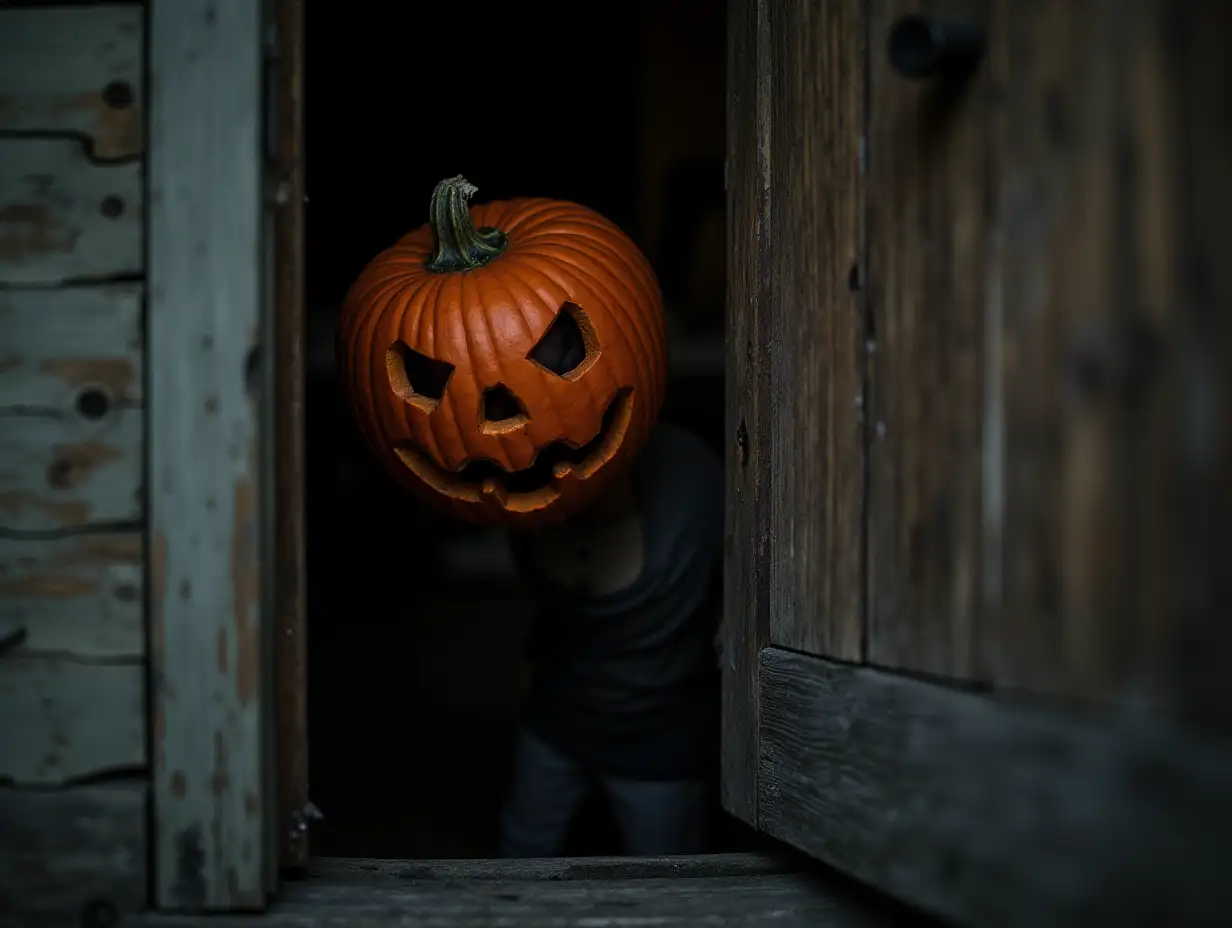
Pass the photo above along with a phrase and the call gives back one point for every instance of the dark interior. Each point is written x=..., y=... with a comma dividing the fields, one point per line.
x=412, y=619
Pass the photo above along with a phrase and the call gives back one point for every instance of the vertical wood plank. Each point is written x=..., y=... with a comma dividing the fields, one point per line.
x=931, y=235
x=204, y=325
x=290, y=588
x=1116, y=132
x=816, y=327
x=747, y=382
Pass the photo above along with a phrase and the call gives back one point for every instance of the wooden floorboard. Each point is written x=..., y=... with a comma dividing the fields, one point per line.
x=712, y=890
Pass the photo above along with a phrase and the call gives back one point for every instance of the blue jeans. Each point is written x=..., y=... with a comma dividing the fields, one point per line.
x=549, y=787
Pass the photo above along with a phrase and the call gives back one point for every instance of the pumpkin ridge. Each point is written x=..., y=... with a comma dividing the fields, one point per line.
x=591, y=282
x=392, y=308
x=453, y=310
x=361, y=359
x=494, y=354
x=426, y=302
x=603, y=255
x=525, y=265
x=603, y=249
x=616, y=305
x=527, y=211
x=614, y=241
x=504, y=276
x=612, y=236
x=431, y=314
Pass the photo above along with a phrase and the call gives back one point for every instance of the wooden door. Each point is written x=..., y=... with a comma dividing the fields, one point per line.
x=979, y=414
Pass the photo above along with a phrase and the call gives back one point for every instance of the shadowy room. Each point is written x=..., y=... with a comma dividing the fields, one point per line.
x=416, y=622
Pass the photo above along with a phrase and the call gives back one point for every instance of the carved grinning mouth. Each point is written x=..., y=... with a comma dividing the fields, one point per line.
x=532, y=486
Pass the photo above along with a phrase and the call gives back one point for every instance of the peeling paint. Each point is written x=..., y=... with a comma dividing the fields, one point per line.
x=65, y=512
x=31, y=229
x=84, y=457
x=116, y=375
x=245, y=592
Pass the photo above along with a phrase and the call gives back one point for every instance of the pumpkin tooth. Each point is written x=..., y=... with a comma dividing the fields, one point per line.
x=562, y=469
x=492, y=487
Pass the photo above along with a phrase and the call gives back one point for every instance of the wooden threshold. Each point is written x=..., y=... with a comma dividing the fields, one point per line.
x=596, y=892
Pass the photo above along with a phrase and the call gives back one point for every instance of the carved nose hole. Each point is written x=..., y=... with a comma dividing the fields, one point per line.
x=502, y=409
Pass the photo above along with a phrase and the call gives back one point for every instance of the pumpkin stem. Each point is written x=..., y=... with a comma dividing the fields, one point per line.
x=457, y=244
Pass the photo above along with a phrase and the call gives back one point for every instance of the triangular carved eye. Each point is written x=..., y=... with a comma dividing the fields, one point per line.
x=415, y=377
x=567, y=343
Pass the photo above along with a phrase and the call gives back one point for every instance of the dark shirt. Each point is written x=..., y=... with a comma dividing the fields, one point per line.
x=626, y=682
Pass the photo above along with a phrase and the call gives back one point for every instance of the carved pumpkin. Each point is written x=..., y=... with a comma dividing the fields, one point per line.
x=506, y=361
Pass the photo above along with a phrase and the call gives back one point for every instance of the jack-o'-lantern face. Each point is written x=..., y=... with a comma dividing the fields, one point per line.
x=507, y=373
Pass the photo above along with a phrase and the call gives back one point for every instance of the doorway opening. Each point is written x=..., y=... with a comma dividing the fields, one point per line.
x=415, y=623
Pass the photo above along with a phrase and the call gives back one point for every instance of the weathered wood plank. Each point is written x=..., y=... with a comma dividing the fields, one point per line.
x=65, y=471
x=59, y=343
x=65, y=850
x=816, y=332
x=1116, y=381
x=63, y=720
x=78, y=596
x=208, y=640
x=928, y=250
x=991, y=812
x=70, y=392
x=783, y=900
x=746, y=574
x=75, y=69
x=64, y=218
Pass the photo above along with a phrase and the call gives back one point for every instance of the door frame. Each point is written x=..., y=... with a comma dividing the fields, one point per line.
x=225, y=467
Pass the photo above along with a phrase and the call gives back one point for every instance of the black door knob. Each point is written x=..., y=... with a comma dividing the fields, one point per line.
x=922, y=47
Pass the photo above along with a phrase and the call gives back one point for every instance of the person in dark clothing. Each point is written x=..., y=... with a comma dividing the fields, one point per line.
x=624, y=693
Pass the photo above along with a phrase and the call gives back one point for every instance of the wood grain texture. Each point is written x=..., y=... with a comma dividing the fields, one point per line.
x=66, y=850
x=369, y=871
x=791, y=900
x=64, y=218
x=58, y=343
x=70, y=404
x=60, y=470
x=290, y=581
x=207, y=621
x=814, y=342
x=928, y=249
x=746, y=575
x=989, y=812
x=78, y=596
x=1115, y=132
x=62, y=720
x=75, y=70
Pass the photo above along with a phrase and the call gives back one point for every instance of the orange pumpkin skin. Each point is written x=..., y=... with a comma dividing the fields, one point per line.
x=554, y=441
